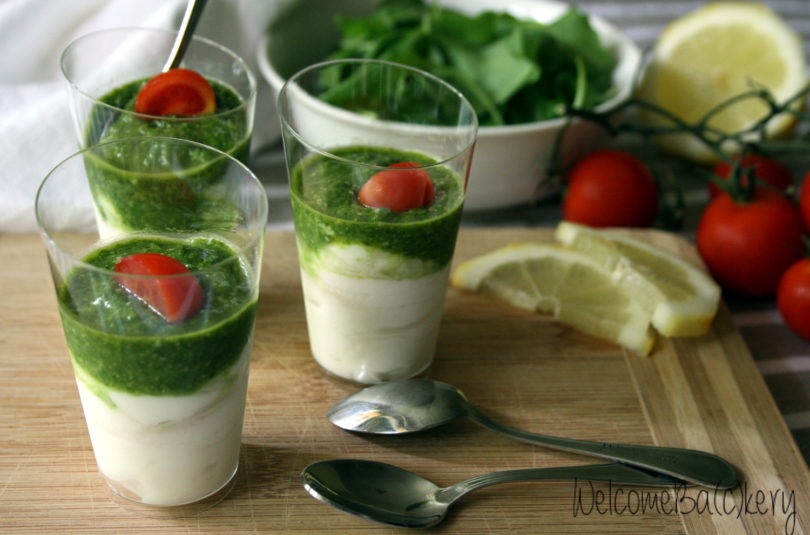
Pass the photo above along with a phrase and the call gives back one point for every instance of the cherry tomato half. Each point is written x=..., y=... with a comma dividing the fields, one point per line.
x=610, y=188
x=748, y=246
x=793, y=297
x=173, y=298
x=399, y=189
x=180, y=92
x=765, y=169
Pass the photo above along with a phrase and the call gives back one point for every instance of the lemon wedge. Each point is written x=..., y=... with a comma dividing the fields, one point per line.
x=712, y=54
x=570, y=285
x=681, y=297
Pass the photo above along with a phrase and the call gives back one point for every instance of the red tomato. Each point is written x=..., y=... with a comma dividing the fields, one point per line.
x=804, y=201
x=747, y=246
x=793, y=297
x=610, y=188
x=176, y=92
x=399, y=190
x=765, y=169
x=173, y=298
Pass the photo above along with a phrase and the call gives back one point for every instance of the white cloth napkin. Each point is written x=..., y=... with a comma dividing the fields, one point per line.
x=36, y=131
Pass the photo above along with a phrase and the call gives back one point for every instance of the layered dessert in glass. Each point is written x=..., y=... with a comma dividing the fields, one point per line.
x=377, y=180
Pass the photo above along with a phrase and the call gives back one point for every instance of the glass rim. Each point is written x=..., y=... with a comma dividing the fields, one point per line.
x=282, y=96
x=48, y=237
x=252, y=93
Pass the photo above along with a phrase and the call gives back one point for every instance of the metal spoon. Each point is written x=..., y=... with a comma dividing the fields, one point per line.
x=191, y=17
x=390, y=495
x=418, y=404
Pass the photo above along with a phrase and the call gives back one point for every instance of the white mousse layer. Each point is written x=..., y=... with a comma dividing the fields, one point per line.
x=365, y=327
x=169, y=450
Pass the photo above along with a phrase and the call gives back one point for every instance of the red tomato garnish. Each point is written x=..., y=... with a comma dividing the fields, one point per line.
x=793, y=297
x=166, y=291
x=765, y=169
x=176, y=92
x=748, y=246
x=804, y=201
x=610, y=188
x=399, y=189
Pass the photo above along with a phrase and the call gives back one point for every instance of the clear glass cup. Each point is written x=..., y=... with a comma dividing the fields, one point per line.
x=104, y=70
x=161, y=358
x=374, y=279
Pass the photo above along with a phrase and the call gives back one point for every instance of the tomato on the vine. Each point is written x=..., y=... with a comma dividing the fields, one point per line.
x=747, y=246
x=765, y=169
x=793, y=297
x=610, y=188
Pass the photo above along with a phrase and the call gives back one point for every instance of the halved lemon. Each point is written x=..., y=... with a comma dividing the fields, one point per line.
x=719, y=51
x=572, y=286
x=681, y=298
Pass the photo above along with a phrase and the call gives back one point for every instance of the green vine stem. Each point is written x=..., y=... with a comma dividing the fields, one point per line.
x=730, y=147
x=714, y=138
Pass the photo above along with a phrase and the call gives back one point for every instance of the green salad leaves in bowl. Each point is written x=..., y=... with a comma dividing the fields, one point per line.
x=521, y=63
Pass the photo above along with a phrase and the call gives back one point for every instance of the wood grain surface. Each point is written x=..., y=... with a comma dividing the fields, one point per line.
x=523, y=369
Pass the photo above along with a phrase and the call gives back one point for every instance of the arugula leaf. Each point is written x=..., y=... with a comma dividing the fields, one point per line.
x=511, y=70
x=504, y=69
x=573, y=30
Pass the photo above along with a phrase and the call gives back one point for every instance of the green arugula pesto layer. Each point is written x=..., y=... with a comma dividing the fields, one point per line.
x=326, y=211
x=119, y=342
x=131, y=194
x=226, y=130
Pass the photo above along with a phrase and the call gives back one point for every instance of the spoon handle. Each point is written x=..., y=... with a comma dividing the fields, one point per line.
x=691, y=465
x=613, y=472
x=191, y=17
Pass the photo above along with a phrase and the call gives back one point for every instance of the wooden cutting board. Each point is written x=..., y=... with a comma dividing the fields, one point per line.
x=523, y=369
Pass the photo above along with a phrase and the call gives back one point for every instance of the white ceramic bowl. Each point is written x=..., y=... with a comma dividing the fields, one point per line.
x=509, y=166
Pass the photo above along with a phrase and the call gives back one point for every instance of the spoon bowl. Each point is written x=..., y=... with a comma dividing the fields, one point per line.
x=389, y=495
x=375, y=491
x=417, y=404
x=399, y=407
